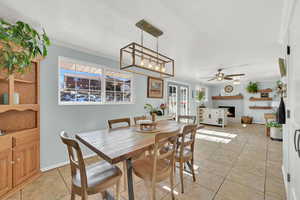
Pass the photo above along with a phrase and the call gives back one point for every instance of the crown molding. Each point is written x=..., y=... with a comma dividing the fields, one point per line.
x=286, y=17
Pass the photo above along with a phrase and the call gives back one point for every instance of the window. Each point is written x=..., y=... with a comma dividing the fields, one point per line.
x=82, y=83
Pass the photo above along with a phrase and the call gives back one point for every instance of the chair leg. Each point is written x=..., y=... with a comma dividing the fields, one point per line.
x=153, y=195
x=172, y=184
x=181, y=176
x=125, y=175
x=118, y=193
x=84, y=196
x=72, y=196
x=193, y=170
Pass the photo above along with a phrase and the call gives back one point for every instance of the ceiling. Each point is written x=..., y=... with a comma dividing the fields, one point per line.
x=200, y=35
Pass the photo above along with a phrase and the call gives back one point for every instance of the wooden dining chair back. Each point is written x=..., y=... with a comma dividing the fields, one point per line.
x=119, y=121
x=159, y=165
x=185, y=150
x=164, y=152
x=190, y=119
x=76, y=159
x=139, y=118
x=95, y=178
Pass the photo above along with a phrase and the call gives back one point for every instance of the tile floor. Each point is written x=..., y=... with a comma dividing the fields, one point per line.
x=234, y=163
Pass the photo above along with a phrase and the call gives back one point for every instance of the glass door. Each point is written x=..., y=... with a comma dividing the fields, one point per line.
x=172, y=100
x=178, y=99
x=183, y=103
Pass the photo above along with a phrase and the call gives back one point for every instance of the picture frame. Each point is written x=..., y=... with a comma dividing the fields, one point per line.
x=264, y=95
x=155, y=88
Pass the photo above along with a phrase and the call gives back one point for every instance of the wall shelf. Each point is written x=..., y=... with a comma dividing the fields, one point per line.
x=260, y=107
x=261, y=99
x=19, y=107
x=265, y=90
x=226, y=97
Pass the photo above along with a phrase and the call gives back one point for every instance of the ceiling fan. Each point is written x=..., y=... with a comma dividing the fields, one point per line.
x=220, y=76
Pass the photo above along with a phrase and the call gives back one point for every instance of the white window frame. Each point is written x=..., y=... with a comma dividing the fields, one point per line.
x=103, y=83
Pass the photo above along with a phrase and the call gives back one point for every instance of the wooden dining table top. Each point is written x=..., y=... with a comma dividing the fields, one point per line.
x=115, y=145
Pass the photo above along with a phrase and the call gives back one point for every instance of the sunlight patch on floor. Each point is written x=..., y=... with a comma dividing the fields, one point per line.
x=213, y=139
x=169, y=189
x=217, y=133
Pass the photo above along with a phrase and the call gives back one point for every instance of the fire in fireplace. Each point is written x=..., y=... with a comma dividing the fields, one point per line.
x=230, y=109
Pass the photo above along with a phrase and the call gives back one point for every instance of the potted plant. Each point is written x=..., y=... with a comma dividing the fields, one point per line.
x=19, y=45
x=275, y=130
x=252, y=87
x=200, y=97
x=152, y=111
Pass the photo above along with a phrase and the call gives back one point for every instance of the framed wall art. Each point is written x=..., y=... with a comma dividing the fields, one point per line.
x=155, y=88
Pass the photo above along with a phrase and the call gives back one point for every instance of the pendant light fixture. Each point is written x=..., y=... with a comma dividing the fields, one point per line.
x=139, y=59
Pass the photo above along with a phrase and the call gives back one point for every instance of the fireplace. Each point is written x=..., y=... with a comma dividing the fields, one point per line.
x=230, y=109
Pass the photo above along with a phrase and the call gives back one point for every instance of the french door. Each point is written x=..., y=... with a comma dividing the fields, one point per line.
x=178, y=99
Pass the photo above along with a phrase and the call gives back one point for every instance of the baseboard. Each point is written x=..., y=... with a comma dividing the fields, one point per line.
x=284, y=180
x=63, y=163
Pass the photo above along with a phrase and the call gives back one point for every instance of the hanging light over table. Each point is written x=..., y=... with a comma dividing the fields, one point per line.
x=138, y=59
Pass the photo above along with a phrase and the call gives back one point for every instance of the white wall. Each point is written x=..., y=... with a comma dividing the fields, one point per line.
x=242, y=106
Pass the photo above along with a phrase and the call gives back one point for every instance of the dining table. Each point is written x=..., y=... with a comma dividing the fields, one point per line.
x=122, y=144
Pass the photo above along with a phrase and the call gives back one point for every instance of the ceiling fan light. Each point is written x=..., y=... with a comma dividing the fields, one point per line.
x=219, y=78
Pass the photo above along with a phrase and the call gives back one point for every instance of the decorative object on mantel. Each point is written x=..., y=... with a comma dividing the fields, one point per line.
x=264, y=94
x=246, y=120
x=227, y=97
x=155, y=88
x=252, y=87
x=228, y=88
x=144, y=61
x=19, y=45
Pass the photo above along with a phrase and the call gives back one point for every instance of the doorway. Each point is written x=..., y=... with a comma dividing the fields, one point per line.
x=178, y=99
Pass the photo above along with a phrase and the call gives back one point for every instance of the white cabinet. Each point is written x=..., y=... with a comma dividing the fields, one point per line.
x=211, y=116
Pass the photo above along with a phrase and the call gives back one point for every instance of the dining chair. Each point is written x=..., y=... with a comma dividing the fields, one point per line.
x=92, y=179
x=159, y=165
x=190, y=119
x=139, y=118
x=119, y=121
x=185, y=151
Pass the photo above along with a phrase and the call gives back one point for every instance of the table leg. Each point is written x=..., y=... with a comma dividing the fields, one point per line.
x=129, y=179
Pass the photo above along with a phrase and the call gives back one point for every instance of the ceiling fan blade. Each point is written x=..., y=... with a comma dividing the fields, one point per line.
x=227, y=78
x=231, y=75
x=212, y=79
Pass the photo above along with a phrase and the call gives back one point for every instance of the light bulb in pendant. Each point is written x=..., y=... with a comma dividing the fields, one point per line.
x=157, y=67
x=142, y=63
x=150, y=65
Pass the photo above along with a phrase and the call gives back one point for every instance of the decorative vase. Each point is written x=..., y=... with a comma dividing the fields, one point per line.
x=153, y=115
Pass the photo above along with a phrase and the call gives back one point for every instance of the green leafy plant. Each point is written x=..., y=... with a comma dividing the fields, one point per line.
x=200, y=96
x=19, y=45
x=149, y=108
x=274, y=125
x=252, y=87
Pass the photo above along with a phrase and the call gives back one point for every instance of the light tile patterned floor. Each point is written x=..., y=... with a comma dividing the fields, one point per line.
x=234, y=163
